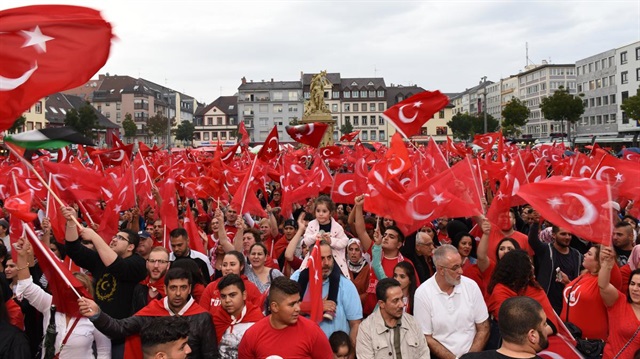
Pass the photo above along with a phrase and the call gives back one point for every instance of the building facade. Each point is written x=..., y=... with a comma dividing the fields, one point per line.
x=627, y=59
x=218, y=121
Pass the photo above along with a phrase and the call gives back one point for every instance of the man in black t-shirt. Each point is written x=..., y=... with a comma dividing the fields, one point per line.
x=523, y=326
x=623, y=242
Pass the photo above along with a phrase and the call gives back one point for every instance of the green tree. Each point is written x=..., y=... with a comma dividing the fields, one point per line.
x=346, y=127
x=477, y=124
x=18, y=124
x=631, y=106
x=84, y=120
x=461, y=125
x=129, y=126
x=157, y=125
x=562, y=106
x=184, y=132
x=515, y=115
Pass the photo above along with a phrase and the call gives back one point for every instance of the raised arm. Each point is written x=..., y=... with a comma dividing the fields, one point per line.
x=273, y=223
x=36, y=296
x=534, y=239
x=361, y=230
x=293, y=243
x=107, y=255
x=223, y=239
x=483, y=246
x=608, y=292
x=45, y=224
x=71, y=229
x=237, y=240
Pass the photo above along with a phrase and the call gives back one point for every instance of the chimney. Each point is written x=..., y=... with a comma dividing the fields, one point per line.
x=244, y=80
x=272, y=80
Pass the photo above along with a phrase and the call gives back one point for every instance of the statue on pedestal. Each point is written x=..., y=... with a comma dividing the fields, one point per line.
x=315, y=104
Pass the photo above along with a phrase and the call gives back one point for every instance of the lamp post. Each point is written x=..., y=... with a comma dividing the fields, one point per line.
x=484, y=103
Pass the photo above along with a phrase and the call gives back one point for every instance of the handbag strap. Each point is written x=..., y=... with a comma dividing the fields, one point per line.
x=66, y=337
x=628, y=343
x=569, y=298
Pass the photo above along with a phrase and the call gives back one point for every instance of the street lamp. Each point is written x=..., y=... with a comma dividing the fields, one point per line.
x=484, y=102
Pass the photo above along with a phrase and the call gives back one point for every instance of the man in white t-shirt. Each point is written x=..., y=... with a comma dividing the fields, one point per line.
x=450, y=308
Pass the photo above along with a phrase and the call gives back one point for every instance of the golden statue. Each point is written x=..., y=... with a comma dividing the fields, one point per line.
x=315, y=104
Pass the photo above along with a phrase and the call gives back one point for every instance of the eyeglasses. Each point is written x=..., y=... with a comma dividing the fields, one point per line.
x=157, y=261
x=455, y=268
x=120, y=238
x=430, y=244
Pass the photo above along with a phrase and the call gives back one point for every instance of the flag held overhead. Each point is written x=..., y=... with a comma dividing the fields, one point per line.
x=409, y=115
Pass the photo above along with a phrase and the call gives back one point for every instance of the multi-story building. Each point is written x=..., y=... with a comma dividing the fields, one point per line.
x=217, y=121
x=35, y=116
x=261, y=105
x=538, y=82
x=493, y=104
x=627, y=59
x=470, y=100
x=508, y=91
x=596, y=80
x=363, y=102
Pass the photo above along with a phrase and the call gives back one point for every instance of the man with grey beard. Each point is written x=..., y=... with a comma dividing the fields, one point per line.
x=461, y=324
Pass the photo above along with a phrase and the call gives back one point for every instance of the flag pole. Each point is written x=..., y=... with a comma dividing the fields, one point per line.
x=44, y=183
x=47, y=253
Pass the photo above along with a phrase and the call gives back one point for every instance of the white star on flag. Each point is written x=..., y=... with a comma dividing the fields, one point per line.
x=37, y=39
x=554, y=202
x=500, y=196
x=417, y=104
x=298, y=136
x=438, y=198
x=619, y=177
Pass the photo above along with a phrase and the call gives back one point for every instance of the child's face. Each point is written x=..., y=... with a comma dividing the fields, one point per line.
x=322, y=213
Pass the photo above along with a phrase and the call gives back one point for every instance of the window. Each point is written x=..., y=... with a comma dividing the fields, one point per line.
x=612, y=80
x=38, y=107
x=380, y=93
x=580, y=88
x=293, y=95
x=592, y=102
x=441, y=114
x=597, y=65
x=638, y=74
x=277, y=95
x=624, y=77
x=219, y=121
x=372, y=107
x=347, y=118
x=205, y=136
x=372, y=94
x=605, y=100
x=209, y=121
x=356, y=120
x=605, y=81
x=248, y=110
x=363, y=93
x=356, y=107
x=346, y=94
x=381, y=135
x=334, y=107
x=263, y=108
x=277, y=108
x=107, y=104
x=354, y=94
x=623, y=58
x=118, y=116
x=278, y=121
x=293, y=108
x=441, y=130
x=347, y=107
x=223, y=135
x=108, y=114
x=336, y=94
x=380, y=122
x=118, y=104
x=612, y=118
x=373, y=135
x=598, y=101
x=364, y=135
x=363, y=107
x=591, y=67
x=625, y=118
x=306, y=94
x=637, y=53
x=214, y=135
x=381, y=107
x=263, y=121
x=612, y=99
x=364, y=120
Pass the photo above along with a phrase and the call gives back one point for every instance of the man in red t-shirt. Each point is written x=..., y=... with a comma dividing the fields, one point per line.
x=503, y=229
x=284, y=333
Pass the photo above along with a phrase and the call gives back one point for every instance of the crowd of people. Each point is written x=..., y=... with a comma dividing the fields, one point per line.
x=453, y=289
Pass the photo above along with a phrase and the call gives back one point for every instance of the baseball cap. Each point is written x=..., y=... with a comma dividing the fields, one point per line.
x=144, y=234
x=290, y=223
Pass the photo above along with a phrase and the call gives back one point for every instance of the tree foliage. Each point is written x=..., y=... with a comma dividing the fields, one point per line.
x=346, y=127
x=562, y=106
x=129, y=126
x=464, y=126
x=157, y=125
x=515, y=115
x=84, y=120
x=184, y=132
x=17, y=125
x=631, y=106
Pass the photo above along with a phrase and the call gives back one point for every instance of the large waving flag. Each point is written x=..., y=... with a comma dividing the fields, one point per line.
x=409, y=115
x=309, y=134
x=40, y=47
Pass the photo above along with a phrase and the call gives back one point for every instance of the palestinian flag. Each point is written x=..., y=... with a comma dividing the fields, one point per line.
x=49, y=138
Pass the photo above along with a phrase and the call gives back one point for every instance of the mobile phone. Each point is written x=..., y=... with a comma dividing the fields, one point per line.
x=558, y=275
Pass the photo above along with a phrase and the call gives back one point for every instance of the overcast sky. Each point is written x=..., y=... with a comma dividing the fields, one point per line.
x=203, y=48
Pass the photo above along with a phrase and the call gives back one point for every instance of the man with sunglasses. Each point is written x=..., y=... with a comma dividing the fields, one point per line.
x=116, y=267
x=450, y=308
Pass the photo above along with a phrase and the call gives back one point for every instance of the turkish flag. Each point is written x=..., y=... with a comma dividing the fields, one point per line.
x=19, y=206
x=623, y=176
x=486, y=141
x=309, y=134
x=169, y=207
x=409, y=115
x=75, y=183
x=45, y=49
x=330, y=152
x=271, y=146
x=350, y=136
x=506, y=198
x=325, y=180
x=579, y=205
x=344, y=188
x=245, y=198
x=242, y=130
x=111, y=157
x=315, y=283
x=195, y=242
x=629, y=155
x=434, y=159
x=397, y=157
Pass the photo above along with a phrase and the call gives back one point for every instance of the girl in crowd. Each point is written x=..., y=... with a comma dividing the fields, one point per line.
x=76, y=335
x=257, y=272
x=623, y=310
x=341, y=345
x=583, y=305
x=329, y=230
x=485, y=265
x=513, y=277
x=232, y=262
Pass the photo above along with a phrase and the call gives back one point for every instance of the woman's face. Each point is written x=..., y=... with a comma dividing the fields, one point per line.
x=387, y=222
x=504, y=248
x=10, y=270
x=215, y=225
x=354, y=253
x=230, y=265
x=590, y=262
x=247, y=241
x=55, y=250
x=464, y=247
x=340, y=210
x=634, y=289
x=265, y=229
x=401, y=276
x=304, y=249
x=257, y=257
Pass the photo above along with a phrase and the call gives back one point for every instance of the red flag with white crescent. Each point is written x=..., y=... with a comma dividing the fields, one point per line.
x=315, y=283
x=409, y=115
x=309, y=134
